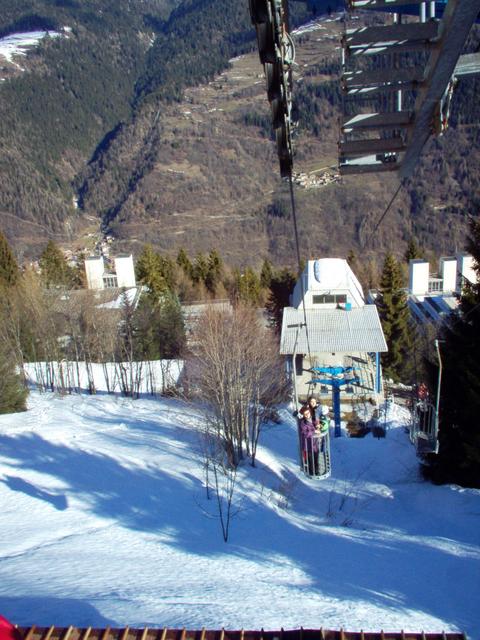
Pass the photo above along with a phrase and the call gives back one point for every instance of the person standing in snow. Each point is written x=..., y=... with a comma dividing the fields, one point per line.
x=309, y=441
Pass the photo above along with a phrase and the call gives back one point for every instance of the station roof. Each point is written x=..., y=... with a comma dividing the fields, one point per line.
x=332, y=331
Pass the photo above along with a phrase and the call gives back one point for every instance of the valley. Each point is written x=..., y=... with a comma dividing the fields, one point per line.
x=201, y=172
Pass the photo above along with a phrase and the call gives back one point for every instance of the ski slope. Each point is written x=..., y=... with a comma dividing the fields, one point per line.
x=105, y=521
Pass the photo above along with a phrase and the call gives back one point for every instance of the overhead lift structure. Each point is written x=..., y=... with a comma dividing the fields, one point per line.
x=277, y=54
x=398, y=81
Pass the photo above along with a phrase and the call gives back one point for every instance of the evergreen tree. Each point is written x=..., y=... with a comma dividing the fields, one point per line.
x=281, y=287
x=247, y=287
x=161, y=328
x=200, y=269
x=394, y=314
x=13, y=393
x=458, y=458
x=266, y=274
x=413, y=251
x=149, y=270
x=214, y=272
x=54, y=267
x=167, y=269
x=184, y=263
x=9, y=272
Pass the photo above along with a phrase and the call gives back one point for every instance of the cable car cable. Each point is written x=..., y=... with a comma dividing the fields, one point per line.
x=297, y=247
x=382, y=217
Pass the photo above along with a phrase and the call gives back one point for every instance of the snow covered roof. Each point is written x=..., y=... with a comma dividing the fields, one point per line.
x=332, y=331
x=130, y=295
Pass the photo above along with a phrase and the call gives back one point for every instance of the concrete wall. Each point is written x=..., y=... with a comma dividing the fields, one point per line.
x=418, y=274
x=94, y=269
x=465, y=267
x=448, y=272
x=125, y=271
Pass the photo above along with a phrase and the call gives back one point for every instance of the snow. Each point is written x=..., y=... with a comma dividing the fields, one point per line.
x=16, y=44
x=105, y=521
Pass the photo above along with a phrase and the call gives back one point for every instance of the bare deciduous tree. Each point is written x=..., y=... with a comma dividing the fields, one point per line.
x=220, y=475
x=238, y=372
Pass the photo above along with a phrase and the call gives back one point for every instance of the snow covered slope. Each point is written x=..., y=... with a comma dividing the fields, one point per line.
x=105, y=521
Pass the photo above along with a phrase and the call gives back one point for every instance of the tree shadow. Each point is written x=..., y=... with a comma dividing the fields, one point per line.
x=142, y=498
x=46, y=611
x=59, y=501
x=395, y=566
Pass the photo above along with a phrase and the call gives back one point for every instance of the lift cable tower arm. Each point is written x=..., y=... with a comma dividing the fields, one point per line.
x=398, y=80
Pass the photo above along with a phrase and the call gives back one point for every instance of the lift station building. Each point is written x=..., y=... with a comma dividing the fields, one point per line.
x=331, y=329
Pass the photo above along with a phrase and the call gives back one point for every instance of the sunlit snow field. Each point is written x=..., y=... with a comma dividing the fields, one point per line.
x=105, y=521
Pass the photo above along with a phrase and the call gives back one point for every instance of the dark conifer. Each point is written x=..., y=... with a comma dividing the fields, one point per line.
x=149, y=272
x=266, y=274
x=281, y=287
x=13, y=393
x=413, y=251
x=185, y=263
x=458, y=458
x=246, y=287
x=55, y=270
x=200, y=269
x=160, y=328
x=9, y=271
x=394, y=314
x=214, y=273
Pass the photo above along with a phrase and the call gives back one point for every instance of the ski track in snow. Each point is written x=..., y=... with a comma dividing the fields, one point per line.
x=105, y=521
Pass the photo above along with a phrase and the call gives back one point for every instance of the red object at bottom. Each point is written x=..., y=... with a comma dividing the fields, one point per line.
x=7, y=630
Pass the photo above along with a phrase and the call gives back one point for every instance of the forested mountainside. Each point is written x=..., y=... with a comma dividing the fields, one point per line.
x=60, y=101
x=134, y=113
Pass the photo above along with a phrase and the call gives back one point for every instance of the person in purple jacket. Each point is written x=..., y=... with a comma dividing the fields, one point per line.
x=309, y=441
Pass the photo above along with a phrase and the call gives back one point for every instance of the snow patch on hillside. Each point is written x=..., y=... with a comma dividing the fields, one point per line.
x=17, y=44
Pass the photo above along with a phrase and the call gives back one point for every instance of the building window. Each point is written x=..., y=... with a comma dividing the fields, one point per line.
x=298, y=364
x=110, y=282
x=435, y=285
x=326, y=298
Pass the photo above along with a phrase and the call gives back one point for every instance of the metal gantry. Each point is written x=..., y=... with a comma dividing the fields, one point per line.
x=398, y=80
x=337, y=378
x=277, y=54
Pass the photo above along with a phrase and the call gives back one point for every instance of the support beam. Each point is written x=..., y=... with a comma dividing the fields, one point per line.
x=413, y=31
x=354, y=168
x=468, y=66
x=377, y=145
x=380, y=4
x=456, y=24
x=382, y=77
x=391, y=120
x=394, y=46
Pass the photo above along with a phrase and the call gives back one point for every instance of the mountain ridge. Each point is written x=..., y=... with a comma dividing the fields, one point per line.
x=197, y=168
